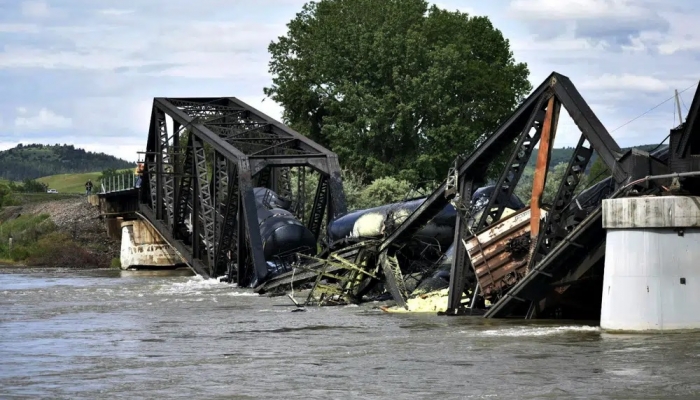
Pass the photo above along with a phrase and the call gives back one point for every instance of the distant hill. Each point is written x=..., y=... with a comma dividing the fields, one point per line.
x=31, y=161
x=563, y=155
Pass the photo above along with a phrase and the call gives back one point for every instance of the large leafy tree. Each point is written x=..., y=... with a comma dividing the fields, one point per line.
x=395, y=87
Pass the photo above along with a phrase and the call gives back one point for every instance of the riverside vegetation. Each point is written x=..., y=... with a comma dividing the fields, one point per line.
x=57, y=232
x=53, y=230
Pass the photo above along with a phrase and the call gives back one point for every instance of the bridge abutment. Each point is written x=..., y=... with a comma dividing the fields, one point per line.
x=143, y=248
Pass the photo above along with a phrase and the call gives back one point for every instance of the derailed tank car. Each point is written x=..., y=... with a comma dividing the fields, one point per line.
x=283, y=235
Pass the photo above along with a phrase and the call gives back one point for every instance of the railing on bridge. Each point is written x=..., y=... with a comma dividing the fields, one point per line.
x=119, y=182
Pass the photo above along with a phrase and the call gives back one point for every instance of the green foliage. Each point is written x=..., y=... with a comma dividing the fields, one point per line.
x=11, y=191
x=36, y=160
x=353, y=188
x=357, y=194
x=394, y=87
x=71, y=183
x=383, y=191
x=554, y=178
x=26, y=228
x=524, y=188
x=4, y=193
x=558, y=156
x=108, y=173
x=36, y=241
x=599, y=171
x=115, y=263
x=32, y=186
x=24, y=231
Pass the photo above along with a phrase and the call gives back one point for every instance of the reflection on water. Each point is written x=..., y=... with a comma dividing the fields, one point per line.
x=105, y=334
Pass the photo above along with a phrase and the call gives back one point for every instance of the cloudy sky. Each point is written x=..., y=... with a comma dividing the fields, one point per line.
x=85, y=71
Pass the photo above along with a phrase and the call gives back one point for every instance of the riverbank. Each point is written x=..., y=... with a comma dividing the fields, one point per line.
x=66, y=232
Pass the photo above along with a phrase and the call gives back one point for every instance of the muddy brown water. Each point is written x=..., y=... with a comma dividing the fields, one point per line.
x=101, y=334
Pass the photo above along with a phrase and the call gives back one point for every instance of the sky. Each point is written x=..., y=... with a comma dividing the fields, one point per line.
x=84, y=72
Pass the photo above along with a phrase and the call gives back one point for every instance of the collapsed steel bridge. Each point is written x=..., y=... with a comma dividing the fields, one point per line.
x=204, y=157
x=202, y=170
x=566, y=244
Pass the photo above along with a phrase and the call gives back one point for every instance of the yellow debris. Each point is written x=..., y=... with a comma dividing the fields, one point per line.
x=429, y=302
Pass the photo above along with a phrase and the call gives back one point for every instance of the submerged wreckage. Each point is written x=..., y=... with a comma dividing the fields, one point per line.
x=470, y=247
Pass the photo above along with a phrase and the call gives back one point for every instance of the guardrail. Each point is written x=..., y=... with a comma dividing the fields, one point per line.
x=119, y=182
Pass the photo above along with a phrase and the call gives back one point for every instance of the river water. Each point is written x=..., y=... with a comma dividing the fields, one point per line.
x=101, y=334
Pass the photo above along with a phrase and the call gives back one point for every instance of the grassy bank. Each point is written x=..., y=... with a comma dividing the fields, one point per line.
x=70, y=183
x=36, y=241
x=74, y=183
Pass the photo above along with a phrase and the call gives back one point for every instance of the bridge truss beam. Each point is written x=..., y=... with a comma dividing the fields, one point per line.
x=519, y=134
x=200, y=175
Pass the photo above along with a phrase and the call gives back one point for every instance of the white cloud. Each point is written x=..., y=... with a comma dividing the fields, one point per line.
x=683, y=37
x=614, y=23
x=553, y=46
x=627, y=82
x=204, y=49
x=35, y=9
x=578, y=9
x=18, y=28
x=105, y=64
x=115, y=12
x=117, y=148
x=44, y=119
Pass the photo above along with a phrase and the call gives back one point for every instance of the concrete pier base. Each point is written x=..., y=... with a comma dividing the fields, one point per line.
x=652, y=264
x=143, y=248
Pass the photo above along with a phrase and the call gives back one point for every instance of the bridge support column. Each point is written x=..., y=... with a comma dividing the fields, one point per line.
x=143, y=248
x=652, y=276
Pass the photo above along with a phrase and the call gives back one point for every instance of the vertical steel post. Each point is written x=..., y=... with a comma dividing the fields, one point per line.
x=158, y=207
x=460, y=262
x=541, y=168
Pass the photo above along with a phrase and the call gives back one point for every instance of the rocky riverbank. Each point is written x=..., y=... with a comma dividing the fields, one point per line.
x=72, y=234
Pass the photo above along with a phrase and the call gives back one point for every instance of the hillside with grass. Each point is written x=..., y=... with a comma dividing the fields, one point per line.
x=34, y=161
x=71, y=183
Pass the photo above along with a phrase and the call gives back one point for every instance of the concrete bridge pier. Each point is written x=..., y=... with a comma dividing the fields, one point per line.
x=143, y=248
x=652, y=274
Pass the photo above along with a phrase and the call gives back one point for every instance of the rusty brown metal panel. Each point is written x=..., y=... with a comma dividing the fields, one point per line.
x=495, y=266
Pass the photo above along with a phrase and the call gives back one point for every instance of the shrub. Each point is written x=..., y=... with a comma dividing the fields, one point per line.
x=58, y=250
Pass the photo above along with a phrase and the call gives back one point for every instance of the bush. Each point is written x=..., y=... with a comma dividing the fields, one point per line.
x=36, y=242
x=383, y=191
x=58, y=250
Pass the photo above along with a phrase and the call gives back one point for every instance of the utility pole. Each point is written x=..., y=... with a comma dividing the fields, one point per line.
x=678, y=106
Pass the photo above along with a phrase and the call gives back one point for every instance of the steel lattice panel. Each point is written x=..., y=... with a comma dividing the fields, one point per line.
x=202, y=192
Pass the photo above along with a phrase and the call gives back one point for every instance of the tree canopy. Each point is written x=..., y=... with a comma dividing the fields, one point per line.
x=394, y=87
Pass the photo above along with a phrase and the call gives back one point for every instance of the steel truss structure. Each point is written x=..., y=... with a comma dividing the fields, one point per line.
x=200, y=174
x=535, y=121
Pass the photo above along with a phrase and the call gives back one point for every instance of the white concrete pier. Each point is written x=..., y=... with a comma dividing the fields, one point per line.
x=652, y=264
x=142, y=247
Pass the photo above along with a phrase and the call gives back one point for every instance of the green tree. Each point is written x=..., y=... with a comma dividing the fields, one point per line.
x=598, y=172
x=554, y=178
x=108, y=173
x=4, y=192
x=394, y=87
x=383, y=191
x=32, y=186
